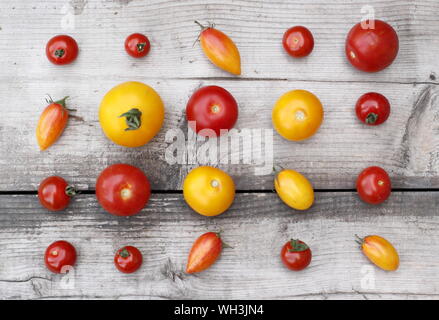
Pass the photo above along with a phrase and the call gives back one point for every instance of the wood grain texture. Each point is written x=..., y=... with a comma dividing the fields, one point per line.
x=100, y=26
x=256, y=226
x=406, y=145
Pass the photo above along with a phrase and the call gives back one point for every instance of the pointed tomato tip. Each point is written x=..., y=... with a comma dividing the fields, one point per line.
x=189, y=270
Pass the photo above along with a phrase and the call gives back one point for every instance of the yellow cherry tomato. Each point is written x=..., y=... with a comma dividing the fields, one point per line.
x=294, y=189
x=297, y=115
x=208, y=191
x=131, y=114
x=380, y=252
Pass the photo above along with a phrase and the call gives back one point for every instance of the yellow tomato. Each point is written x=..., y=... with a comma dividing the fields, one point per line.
x=297, y=115
x=131, y=114
x=208, y=191
x=380, y=252
x=294, y=189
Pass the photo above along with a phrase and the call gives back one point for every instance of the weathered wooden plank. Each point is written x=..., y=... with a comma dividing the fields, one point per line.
x=256, y=226
x=100, y=26
x=406, y=145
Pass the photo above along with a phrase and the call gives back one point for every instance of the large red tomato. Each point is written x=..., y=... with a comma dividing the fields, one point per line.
x=372, y=48
x=122, y=189
x=211, y=107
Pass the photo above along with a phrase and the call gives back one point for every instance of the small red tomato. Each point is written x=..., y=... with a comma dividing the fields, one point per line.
x=54, y=193
x=52, y=122
x=128, y=259
x=122, y=189
x=296, y=255
x=204, y=252
x=372, y=48
x=137, y=45
x=373, y=185
x=61, y=49
x=213, y=108
x=372, y=108
x=298, y=41
x=59, y=255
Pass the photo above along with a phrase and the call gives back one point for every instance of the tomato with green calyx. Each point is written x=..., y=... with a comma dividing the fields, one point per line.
x=296, y=255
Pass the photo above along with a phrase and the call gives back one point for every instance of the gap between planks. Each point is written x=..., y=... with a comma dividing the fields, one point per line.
x=88, y=192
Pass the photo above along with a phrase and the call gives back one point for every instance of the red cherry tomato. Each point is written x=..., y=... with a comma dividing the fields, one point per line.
x=211, y=107
x=122, y=189
x=373, y=185
x=128, y=259
x=137, y=45
x=62, y=49
x=59, y=255
x=372, y=49
x=298, y=41
x=296, y=255
x=372, y=108
x=54, y=193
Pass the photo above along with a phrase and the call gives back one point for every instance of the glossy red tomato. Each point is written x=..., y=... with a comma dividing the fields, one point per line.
x=372, y=49
x=298, y=41
x=137, y=45
x=59, y=255
x=296, y=255
x=54, y=193
x=128, y=259
x=122, y=189
x=373, y=185
x=62, y=49
x=213, y=108
x=372, y=108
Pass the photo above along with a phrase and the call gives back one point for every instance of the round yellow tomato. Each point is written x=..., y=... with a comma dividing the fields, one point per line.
x=297, y=115
x=294, y=189
x=380, y=252
x=208, y=191
x=131, y=114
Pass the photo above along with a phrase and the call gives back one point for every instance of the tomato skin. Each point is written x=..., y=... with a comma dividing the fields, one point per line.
x=372, y=50
x=122, y=189
x=294, y=189
x=296, y=255
x=208, y=191
x=380, y=252
x=54, y=193
x=137, y=45
x=372, y=108
x=129, y=97
x=298, y=41
x=128, y=259
x=220, y=50
x=204, y=252
x=52, y=122
x=374, y=185
x=61, y=49
x=58, y=255
x=211, y=107
x=297, y=115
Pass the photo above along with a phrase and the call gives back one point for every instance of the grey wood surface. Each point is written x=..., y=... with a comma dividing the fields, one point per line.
x=405, y=145
x=256, y=226
x=258, y=223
